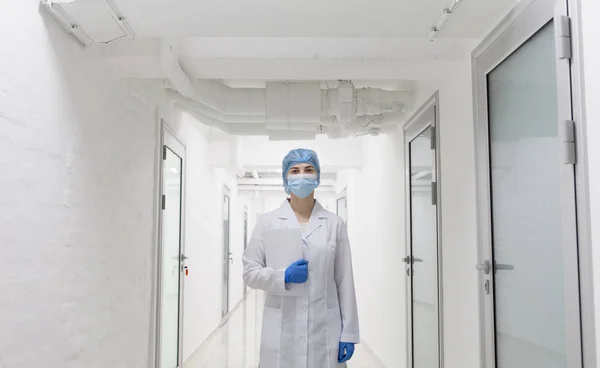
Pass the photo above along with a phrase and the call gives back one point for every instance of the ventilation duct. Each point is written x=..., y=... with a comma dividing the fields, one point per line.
x=300, y=110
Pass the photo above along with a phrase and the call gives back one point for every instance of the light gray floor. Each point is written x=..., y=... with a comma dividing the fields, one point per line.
x=236, y=344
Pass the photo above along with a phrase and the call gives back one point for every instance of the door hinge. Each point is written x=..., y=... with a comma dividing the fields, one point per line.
x=164, y=201
x=570, y=156
x=564, y=47
x=164, y=154
x=434, y=193
x=433, y=138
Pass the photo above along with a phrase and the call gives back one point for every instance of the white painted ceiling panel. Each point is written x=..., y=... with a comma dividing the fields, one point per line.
x=94, y=18
x=306, y=18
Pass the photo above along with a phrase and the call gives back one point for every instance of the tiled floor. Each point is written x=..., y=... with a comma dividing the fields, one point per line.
x=236, y=344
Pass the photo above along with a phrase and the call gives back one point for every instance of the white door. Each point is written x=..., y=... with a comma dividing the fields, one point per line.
x=423, y=244
x=528, y=230
x=171, y=254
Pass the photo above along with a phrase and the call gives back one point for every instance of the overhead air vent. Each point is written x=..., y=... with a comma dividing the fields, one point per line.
x=91, y=21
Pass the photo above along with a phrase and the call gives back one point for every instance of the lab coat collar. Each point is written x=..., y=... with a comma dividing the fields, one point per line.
x=317, y=218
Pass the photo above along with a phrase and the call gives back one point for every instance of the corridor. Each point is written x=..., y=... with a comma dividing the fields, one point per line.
x=236, y=343
x=449, y=203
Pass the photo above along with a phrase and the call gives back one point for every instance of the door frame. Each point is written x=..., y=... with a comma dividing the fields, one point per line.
x=225, y=293
x=420, y=121
x=167, y=137
x=342, y=195
x=525, y=20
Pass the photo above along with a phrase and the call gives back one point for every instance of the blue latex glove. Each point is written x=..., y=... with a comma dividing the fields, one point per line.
x=346, y=351
x=297, y=273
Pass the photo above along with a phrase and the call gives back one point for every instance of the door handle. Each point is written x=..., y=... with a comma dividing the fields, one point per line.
x=503, y=267
x=409, y=259
x=486, y=267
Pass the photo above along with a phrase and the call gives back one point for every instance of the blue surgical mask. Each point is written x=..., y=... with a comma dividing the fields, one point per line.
x=302, y=184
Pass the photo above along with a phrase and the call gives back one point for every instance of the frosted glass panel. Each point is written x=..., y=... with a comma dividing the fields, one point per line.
x=526, y=215
x=171, y=241
x=424, y=254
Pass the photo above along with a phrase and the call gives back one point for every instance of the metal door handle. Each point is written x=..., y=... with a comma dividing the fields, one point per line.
x=417, y=260
x=503, y=267
x=486, y=267
x=406, y=259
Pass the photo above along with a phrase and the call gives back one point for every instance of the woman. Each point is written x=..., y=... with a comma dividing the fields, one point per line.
x=318, y=328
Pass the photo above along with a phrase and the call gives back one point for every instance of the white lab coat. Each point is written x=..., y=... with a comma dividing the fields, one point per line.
x=305, y=331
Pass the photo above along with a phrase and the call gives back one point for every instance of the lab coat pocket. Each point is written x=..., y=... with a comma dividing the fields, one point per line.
x=271, y=328
x=334, y=328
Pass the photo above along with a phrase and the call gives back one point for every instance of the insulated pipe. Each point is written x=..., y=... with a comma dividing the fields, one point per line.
x=253, y=123
x=250, y=104
x=372, y=101
x=361, y=124
x=194, y=105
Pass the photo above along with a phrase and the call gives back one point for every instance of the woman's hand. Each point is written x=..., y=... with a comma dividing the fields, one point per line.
x=297, y=272
x=346, y=351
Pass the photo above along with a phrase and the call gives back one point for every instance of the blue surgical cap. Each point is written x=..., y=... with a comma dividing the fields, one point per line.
x=300, y=156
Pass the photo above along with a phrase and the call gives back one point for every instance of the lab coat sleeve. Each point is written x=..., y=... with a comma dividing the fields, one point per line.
x=344, y=279
x=256, y=274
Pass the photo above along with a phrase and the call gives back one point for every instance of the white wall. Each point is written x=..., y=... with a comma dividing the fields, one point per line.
x=203, y=233
x=376, y=205
x=458, y=196
x=375, y=196
x=591, y=60
x=259, y=151
x=77, y=156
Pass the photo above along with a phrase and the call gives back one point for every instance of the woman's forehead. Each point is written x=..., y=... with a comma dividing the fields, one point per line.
x=301, y=166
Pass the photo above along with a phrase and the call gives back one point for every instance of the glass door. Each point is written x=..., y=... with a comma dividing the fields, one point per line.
x=529, y=268
x=171, y=254
x=423, y=245
x=226, y=253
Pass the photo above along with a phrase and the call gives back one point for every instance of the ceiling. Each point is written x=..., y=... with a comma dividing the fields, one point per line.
x=306, y=18
x=378, y=43
x=293, y=39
